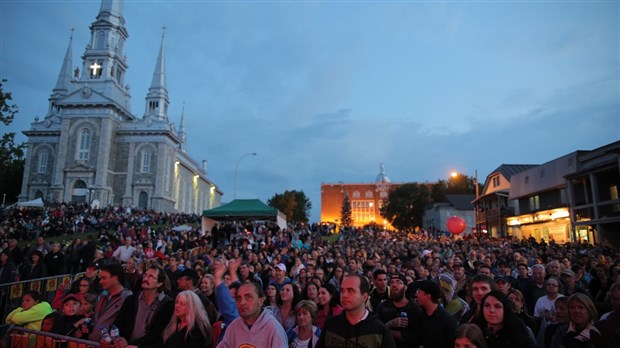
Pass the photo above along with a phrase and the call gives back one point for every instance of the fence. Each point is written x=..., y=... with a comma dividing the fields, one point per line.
x=19, y=337
x=11, y=293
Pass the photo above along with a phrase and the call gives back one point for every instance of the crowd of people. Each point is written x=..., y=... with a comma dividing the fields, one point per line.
x=251, y=284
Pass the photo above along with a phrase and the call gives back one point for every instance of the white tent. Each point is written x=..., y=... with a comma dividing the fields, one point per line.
x=34, y=203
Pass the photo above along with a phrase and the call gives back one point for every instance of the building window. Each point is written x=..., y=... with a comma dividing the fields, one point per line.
x=84, y=149
x=368, y=194
x=146, y=161
x=563, y=199
x=168, y=170
x=534, y=203
x=356, y=194
x=495, y=181
x=383, y=194
x=43, y=161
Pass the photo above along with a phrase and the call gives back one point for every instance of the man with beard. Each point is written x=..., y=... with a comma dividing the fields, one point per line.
x=400, y=315
x=144, y=315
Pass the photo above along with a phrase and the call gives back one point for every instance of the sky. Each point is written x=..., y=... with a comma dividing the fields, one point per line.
x=326, y=91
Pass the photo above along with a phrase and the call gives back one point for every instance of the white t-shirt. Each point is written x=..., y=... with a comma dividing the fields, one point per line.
x=297, y=343
x=543, y=304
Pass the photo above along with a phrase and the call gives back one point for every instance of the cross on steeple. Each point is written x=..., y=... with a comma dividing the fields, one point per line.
x=163, y=33
x=95, y=68
x=72, y=30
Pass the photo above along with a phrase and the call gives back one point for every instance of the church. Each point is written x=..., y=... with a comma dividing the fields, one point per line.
x=90, y=147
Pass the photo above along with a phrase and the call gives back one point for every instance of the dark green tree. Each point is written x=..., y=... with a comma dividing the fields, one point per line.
x=459, y=184
x=11, y=155
x=404, y=207
x=294, y=204
x=346, y=219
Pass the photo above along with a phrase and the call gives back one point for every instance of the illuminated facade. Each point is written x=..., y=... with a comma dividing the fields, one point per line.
x=492, y=206
x=540, y=202
x=366, y=200
x=91, y=147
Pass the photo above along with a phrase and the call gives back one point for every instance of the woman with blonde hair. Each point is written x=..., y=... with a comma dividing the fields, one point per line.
x=580, y=331
x=305, y=334
x=189, y=326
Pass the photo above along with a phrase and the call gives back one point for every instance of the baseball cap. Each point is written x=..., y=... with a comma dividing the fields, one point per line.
x=429, y=287
x=399, y=276
x=281, y=267
x=502, y=279
x=568, y=272
x=75, y=297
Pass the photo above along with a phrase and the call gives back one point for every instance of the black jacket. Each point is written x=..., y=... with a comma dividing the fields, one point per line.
x=127, y=319
x=370, y=333
x=438, y=329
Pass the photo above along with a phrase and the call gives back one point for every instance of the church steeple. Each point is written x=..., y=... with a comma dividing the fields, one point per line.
x=157, y=99
x=182, y=133
x=104, y=61
x=64, y=77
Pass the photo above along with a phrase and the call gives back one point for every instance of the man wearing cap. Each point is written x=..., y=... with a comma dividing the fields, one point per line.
x=459, y=275
x=570, y=284
x=437, y=326
x=503, y=284
x=356, y=323
x=281, y=278
x=400, y=315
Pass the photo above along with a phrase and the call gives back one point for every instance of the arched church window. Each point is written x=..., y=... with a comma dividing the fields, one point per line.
x=42, y=161
x=84, y=145
x=146, y=161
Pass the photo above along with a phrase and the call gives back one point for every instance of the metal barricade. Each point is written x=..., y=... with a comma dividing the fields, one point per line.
x=19, y=337
x=11, y=293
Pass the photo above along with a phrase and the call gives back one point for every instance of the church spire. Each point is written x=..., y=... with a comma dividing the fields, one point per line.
x=157, y=97
x=182, y=133
x=64, y=77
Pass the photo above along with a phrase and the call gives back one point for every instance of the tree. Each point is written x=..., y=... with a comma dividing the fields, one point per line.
x=460, y=184
x=11, y=155
x=345, y=212
x=404, y=207
x=294, y=204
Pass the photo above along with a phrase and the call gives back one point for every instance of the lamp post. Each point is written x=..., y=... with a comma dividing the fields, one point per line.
x=237, y=169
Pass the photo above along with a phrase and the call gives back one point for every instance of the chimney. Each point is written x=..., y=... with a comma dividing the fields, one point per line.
x=204, y=165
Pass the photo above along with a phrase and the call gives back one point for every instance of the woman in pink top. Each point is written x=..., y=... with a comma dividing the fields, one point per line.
x=329, y=304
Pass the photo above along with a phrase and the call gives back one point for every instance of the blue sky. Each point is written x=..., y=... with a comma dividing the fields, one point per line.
x=326, y=91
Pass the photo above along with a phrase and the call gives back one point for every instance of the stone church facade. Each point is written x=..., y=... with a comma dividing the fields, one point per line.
x=90, y=147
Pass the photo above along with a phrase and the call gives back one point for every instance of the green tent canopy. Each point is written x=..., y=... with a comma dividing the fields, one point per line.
x=242, y=209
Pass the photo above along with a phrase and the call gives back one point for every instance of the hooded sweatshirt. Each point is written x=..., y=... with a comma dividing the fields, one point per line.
x=30, y=318
x=265, y=332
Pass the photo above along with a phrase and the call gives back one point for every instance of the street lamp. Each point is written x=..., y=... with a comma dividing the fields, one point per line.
x=237, y=169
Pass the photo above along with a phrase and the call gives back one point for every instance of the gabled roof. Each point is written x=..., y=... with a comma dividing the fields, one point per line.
x=461, y=202
x=508, y=170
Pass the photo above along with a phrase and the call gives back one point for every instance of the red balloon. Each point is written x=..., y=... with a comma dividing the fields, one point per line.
x=456, y=225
